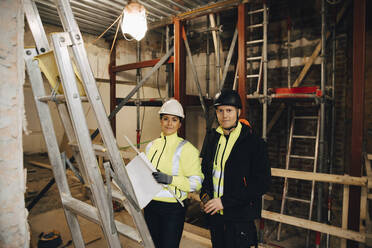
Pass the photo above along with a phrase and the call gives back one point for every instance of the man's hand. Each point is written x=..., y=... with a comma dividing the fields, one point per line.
x=212, y=206
x=162, y=178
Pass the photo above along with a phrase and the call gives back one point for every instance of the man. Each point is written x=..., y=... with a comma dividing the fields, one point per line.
x=237, y=174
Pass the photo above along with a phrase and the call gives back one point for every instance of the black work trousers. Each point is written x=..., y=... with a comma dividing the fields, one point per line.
x=165, y=222
x=232, y=234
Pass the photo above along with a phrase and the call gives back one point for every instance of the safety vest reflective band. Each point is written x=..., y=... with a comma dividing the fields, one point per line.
x=176, y=157
x=224, y=148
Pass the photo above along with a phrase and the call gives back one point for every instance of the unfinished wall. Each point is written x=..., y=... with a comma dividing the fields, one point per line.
x=13, y=215
x=305, y=35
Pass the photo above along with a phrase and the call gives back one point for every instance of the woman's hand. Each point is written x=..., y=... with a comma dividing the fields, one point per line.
x=212, y=206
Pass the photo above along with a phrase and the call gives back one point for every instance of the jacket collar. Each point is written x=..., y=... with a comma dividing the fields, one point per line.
x=236, y=131
x=172, y=137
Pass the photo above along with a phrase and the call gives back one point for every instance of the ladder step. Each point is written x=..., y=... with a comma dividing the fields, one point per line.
x=255, y=11
x=91, y=213
x=254, y=42
x=297, y=199
x=58, y=98
x=253, y=76
x=306, y=117
x=303, y=157
x=255, y=26
x=254, y=58
x=303, y=137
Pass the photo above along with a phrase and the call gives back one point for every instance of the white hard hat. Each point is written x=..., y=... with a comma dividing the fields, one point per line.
x=172, y=107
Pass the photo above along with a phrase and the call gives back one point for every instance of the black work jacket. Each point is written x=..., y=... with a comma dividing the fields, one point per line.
x=247, y=174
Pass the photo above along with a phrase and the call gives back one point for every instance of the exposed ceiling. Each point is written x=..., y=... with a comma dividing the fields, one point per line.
x=95, y=16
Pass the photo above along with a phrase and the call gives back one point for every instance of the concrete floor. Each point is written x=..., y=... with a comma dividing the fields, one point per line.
x=47, y=215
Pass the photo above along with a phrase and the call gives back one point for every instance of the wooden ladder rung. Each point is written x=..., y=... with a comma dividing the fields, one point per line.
x=297, y=199
x=301, y=157
x=89, y=212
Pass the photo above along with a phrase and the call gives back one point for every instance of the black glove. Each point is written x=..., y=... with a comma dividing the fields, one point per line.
x=162, y=178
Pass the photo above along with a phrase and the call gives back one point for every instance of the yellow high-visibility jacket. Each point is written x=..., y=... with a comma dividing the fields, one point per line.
x=179, y=158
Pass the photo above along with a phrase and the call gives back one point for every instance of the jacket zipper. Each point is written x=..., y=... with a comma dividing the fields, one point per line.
x=165, y=143
x=219, y=181
x=152, y=158
x=215, y=155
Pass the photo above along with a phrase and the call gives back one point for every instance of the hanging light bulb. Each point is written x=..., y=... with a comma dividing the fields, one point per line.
x=134, y=21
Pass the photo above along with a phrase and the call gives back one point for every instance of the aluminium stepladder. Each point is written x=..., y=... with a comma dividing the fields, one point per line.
x=76, y=128
x=290, y=156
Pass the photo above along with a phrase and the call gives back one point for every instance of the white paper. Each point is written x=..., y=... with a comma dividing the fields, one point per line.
x=144, y=185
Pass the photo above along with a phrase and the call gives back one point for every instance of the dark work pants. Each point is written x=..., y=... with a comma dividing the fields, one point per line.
x=165, y=222
x=231, y=234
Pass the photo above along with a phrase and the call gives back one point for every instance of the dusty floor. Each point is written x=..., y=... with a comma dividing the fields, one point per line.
x=47, y=215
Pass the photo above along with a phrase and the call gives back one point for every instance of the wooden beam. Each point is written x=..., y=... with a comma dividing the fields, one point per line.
x=357, y=128
x=345, y=212
x=210, y=8
x=369, y=156
x=139, y=65
x=320, y=177
x=315, y=226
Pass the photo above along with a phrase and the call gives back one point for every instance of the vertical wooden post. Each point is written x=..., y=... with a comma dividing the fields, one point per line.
x=358, y=112
x=180, y=69
x=345, y=211
x=242, y=57
x=113, y=87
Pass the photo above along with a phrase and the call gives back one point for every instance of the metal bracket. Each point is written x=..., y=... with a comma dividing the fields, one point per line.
x=75, y=37
x=64, y=39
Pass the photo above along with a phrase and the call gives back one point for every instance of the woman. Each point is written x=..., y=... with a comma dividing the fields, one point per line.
x=178, y=165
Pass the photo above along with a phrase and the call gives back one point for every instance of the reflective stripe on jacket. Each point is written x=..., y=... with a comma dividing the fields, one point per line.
x=177, y=157
x=224, y=148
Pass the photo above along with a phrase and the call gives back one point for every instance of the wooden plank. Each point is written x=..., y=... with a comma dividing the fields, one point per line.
x=315, y=226
x=48, y=166
x=363, y=210
x=345, y=212
x=320, y=177
x=368, y=165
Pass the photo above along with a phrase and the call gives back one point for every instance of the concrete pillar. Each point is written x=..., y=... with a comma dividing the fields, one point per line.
x=13, y=214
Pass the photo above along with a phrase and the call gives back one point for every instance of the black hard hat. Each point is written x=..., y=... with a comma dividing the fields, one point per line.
x=228, y=97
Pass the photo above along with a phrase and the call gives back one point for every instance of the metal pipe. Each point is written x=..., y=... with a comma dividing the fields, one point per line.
x=322, y=114
x=168, y=66
x=138, y=109
x=331, y=156
x=264, y=106
x=218, y=66
x=196, y=78
x=207, y=76
x=228, y=59
x=133, y=91
x=289, y=52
